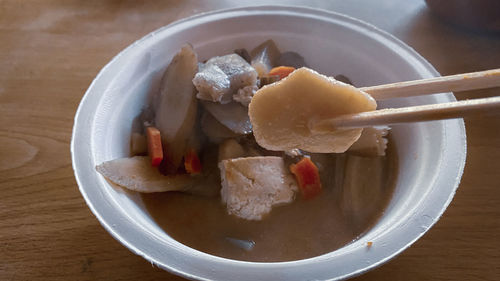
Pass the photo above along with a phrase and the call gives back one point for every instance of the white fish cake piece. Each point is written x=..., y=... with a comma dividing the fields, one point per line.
x=251, y=186
x=281, y=112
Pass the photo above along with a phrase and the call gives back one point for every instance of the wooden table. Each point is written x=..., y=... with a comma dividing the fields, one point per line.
x=51, y=50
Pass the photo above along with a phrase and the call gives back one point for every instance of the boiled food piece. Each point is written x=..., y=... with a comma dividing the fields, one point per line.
x=326, y=166
x=291, y=59
x=264, y=57
x=244, y=54
x=214, y=130
x=281, y=113
x=230, y=149
x=372, y=142
x=138, y=144
x=175, y=114
x=137, y=174
x=232, y=115
x=221, y=77
x=363, y=188
x=252, y=186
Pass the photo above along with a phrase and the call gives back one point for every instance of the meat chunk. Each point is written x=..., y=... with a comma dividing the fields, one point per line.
x=221, y=77
x=212, y=84
x=252, y=186
x=245, y=94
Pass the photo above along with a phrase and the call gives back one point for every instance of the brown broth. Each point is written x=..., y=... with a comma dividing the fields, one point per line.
x=302, y=229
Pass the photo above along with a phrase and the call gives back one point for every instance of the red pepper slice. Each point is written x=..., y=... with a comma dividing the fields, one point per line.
x=307, y=176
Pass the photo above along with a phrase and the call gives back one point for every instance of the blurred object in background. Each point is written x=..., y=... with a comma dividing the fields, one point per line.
x=471, y=14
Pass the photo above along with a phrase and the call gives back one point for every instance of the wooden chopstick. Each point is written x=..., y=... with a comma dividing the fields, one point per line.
x=452, y=83
x=459, y=82
x=409, y=114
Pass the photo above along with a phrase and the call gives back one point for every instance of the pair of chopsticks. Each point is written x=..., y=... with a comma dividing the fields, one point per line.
x=459, y=82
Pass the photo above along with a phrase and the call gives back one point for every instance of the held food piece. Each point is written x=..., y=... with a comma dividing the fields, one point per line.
x=221, y=77
x=176, y=110
x=135, y=173
x=281, y=112
x=264, y=57
x=252, y=186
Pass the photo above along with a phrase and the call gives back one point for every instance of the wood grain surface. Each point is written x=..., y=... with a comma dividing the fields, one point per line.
x=51, y=50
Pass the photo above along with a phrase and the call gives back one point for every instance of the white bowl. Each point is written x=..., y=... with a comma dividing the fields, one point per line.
x=431, y=155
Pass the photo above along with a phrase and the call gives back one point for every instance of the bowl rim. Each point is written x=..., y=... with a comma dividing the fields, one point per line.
x=81, y=120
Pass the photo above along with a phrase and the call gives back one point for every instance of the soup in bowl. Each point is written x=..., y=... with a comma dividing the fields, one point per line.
x=320, y=238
